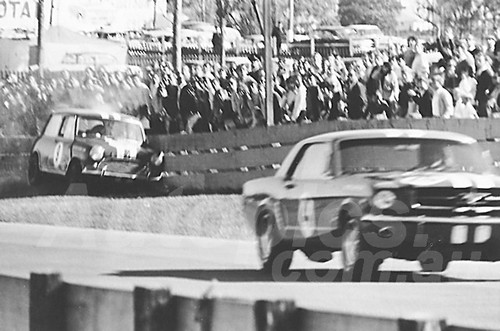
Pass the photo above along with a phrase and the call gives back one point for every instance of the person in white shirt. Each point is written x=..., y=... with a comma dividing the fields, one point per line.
x=442, y=101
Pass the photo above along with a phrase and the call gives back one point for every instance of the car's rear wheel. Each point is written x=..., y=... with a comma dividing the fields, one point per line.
x=35, y=175
x=359, y=263
x=275, y=253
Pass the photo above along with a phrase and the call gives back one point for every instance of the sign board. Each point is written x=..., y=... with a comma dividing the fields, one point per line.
x=18, y=14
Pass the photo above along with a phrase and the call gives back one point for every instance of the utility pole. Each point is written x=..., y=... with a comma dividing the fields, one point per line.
x=291, y=23
x=203, y=10
x=154, y=14
x=268, y=62
x=40, y=18
x=257, y=14
x=222, y=12
x=51, y=12
x=177, y=56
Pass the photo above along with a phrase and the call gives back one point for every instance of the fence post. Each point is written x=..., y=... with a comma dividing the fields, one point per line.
x=275, y=315
x=47, y=302
x=153, y=309
x=422, y=324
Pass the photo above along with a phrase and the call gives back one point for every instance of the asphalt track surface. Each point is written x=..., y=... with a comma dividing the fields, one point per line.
x=466, y=294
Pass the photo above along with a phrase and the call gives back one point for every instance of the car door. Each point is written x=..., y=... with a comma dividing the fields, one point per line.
x=45, y=146
x=61, y=155
x=307, y=190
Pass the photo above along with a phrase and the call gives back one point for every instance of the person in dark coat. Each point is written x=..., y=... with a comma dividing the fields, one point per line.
x=423, y=98
x=356, y=98
x=485, y=84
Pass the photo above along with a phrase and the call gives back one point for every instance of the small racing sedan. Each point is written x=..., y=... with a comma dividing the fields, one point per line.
x=429, y=196
x=82, y=144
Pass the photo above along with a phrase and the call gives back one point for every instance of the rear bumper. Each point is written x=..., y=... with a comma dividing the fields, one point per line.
x=468, y=238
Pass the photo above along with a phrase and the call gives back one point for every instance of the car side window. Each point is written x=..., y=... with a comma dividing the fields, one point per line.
x=67, y=129
x=53, y=126
x=314, y=162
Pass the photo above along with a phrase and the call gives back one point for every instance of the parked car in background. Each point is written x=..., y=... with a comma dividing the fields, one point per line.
x=373, y=33
x=84, y=145
x=430, y=196
x=330, y=39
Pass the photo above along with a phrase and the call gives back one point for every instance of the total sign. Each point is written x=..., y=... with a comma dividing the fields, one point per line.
x=19, y=14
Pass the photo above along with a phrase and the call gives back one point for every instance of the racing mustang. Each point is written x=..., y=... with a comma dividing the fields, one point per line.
x=429, y=196
x=82, y=144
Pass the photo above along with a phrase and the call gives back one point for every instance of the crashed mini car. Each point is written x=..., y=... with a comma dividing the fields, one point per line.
x=429, y=196
x=82, y=144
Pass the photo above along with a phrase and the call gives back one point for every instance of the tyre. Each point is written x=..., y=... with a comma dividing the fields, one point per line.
x=35, y=175
x=360, y=264
x=275, y=253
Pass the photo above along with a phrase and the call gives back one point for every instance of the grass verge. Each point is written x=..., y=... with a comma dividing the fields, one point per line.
x=215, y=216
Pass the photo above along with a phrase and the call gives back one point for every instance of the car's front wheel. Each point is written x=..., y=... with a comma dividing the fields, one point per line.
x=35, y=175
x=275, y=253
x=360, y=264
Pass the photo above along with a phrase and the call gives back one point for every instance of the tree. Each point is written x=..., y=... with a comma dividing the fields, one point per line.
x=378, y=12
x=462, y=16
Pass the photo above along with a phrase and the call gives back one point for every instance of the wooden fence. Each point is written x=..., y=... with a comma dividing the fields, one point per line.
x=221, y=162
x=45, y=302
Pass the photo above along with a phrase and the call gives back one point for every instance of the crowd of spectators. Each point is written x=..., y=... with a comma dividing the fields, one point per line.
x=463, y=81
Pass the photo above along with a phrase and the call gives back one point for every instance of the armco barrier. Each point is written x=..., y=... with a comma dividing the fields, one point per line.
x=221, y=162
x=55, y=305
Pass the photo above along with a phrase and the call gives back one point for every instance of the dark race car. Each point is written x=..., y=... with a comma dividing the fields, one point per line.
x=81, y=144
x=372, y=194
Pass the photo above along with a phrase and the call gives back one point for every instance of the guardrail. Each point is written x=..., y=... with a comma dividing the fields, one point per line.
x=45, y=302
x=222, y=162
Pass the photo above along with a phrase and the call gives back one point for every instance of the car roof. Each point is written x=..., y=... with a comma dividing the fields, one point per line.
x=390, y=133
x=97, y=113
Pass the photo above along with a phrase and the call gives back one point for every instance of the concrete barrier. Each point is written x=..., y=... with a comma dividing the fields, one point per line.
x=49, y=303
x=98, y=309
x=14, y=303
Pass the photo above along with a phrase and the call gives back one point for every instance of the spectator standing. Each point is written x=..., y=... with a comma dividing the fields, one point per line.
x=356, y=99
x=294, y=101
x=442, y=101
x=485, y=84
x=411, y=52
x=278, y=34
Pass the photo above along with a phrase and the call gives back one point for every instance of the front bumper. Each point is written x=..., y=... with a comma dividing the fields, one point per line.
x=129, y=172
x=468, y=238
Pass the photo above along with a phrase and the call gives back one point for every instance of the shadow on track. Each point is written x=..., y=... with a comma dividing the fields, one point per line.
x=295, y=275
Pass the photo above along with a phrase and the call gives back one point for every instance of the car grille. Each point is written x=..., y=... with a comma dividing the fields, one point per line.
x=452, y=202
x=122, y=167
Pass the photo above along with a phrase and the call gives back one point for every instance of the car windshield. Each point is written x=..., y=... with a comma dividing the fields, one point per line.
x=108, y=128
x=411, y=154
x=327, y=34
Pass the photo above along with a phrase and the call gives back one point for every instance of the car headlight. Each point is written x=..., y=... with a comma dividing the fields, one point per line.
x=96, y=153
x=384, y=199
x=157, y=159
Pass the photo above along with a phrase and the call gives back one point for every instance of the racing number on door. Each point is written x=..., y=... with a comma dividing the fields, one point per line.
x=58, y=154
x=306, y=217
